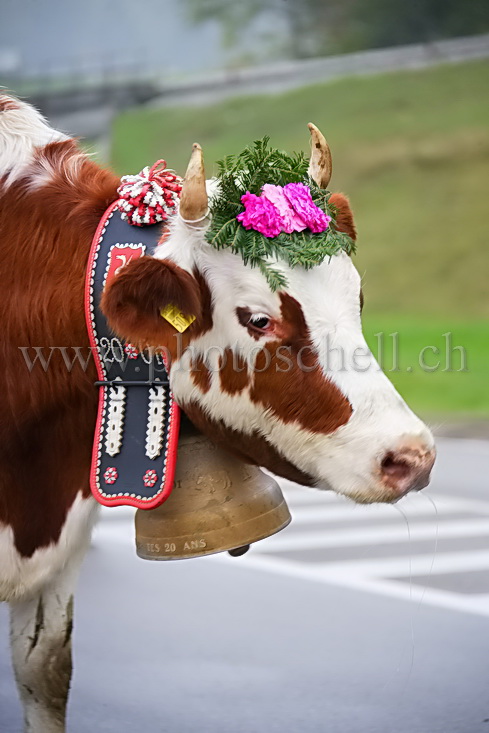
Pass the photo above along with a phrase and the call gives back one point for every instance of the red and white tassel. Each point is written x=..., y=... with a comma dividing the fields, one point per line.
x=150, y=196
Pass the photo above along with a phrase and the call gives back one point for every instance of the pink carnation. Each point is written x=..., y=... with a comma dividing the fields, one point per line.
x=299, y=197
x=261, y=215
x=291, y=221
x=282, y=209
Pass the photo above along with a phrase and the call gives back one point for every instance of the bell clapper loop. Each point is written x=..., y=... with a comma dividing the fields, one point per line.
x=238, y=551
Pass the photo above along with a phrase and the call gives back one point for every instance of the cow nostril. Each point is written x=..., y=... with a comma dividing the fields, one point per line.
x=395, y=469
x=407, y=469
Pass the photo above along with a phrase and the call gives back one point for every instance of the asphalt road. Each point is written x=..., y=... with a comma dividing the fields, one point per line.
x=352, y=620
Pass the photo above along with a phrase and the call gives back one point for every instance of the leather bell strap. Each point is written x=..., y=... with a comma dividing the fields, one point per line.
x=136, y=436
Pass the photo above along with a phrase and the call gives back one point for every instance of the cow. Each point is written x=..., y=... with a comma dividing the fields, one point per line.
x=331, y=426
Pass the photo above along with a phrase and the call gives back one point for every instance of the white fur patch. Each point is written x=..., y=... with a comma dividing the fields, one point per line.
x=22, y=131
x=346, y=460
x=381, y=421
x=21, y=577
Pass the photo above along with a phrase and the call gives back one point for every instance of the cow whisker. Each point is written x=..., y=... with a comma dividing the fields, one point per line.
x=411, y=665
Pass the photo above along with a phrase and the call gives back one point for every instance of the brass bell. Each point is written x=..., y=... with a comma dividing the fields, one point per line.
x=218, y=503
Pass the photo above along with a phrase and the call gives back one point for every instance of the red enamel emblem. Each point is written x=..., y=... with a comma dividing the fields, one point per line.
x=120, y=255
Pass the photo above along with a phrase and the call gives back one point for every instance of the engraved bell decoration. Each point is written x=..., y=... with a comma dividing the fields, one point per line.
x=218, y=503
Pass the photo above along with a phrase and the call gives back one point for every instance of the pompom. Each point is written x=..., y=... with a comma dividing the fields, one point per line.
x=150, y=196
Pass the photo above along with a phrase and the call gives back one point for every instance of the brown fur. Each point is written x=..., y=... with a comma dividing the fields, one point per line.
x=344, y=216
x=233, y=372
x=7, y=104
x=254, y=448
x=200, y=374
x=290, y=382
x=48, y=417
x=132, y=302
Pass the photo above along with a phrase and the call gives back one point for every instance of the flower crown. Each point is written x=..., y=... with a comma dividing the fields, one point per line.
x=267, y=207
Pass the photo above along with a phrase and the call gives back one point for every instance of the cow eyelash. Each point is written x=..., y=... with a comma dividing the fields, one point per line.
x=257, y=323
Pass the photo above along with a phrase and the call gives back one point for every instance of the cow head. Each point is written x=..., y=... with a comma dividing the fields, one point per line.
x=282, y=379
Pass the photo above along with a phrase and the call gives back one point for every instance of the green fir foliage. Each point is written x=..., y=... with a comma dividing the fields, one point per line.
x=249, y=171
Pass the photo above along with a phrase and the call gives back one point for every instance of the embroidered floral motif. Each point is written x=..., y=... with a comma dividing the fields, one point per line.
x=111, y=475
x=131, y=351
x=150, y=478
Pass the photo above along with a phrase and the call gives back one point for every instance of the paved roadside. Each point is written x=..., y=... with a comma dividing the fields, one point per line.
x=464, y=428
x=352, y=620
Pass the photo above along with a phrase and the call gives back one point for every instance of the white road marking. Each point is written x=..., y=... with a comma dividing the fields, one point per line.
x=375, y=535
x=375, y=525
x=430, y=563
x=367, y=525
x=349, y=511
x=356, y=577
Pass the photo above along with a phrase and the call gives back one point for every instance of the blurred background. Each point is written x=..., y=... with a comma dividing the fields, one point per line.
x=353, y=619
x=399, y=89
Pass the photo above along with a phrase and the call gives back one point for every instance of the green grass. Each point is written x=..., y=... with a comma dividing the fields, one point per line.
x=411, y=149
x=449, y=380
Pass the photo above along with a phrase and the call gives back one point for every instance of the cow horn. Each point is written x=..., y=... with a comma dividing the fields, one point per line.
x=193, y=199
x=320, y=164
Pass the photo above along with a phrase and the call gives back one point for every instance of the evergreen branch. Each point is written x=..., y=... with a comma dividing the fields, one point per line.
x=250, y=171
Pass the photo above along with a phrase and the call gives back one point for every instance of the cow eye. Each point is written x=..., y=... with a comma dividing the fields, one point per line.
x=257, y=323
x=260, y=321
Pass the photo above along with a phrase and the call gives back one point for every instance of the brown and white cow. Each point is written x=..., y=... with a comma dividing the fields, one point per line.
x=284, y=379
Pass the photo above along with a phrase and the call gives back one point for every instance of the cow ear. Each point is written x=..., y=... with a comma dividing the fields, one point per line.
x=133, y=300
x=344, y=216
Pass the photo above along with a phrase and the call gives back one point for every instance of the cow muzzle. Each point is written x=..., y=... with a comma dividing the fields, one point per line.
x=407, y=468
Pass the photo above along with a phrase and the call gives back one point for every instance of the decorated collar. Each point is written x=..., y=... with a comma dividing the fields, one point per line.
x=136, y=436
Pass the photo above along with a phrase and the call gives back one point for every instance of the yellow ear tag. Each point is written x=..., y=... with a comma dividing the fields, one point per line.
x=178, y=320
